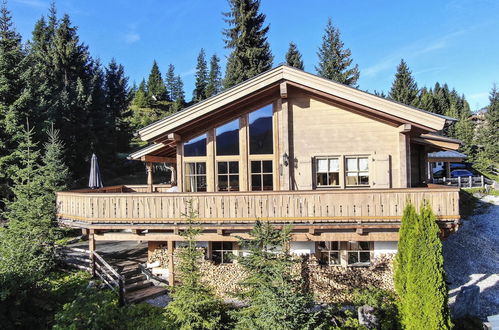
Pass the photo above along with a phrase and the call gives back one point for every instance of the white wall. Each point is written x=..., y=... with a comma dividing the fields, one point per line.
x=385, y=247
x=301, y=248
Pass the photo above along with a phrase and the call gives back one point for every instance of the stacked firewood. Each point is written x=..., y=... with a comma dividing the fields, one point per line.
x=223, y=279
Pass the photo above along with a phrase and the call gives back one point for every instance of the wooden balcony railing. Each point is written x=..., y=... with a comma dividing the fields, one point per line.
x=366, y=205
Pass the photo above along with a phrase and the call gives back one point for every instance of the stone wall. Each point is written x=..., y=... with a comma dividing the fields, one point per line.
x=328, y=284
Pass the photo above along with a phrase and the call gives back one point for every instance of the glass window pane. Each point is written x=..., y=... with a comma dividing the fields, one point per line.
x=334, y=165
x=363, y=245
x=256, y=166
x=353, y=258
x=234, y=167
x=216, y=256
x=260, y=131
x=322, y=245
x=234, y=182
x=334, y=179
x=201, y=183
x=195, y=146
x=325, y=258
x=365, y=257
x=322, y=165
x=190, y=183
x=256, y=182
x=190, y=168
x=335, y=245
x=222, y=183
x=321, y=179
x=363, y=164
x=334, y=258
x=352, y=179
x=227, y=245
x=227, y=138
x=352, y=164
x=267, y=166
x=216, y=245
x=200, y=168
x=363, y=178
x=222, y=168
x=267, y=182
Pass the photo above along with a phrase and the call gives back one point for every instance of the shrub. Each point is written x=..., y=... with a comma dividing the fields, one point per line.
x=385, y=304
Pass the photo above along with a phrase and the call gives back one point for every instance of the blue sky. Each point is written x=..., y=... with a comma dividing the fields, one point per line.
x=446, y=41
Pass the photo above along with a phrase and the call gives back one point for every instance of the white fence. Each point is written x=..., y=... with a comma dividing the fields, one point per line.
x=464, y=181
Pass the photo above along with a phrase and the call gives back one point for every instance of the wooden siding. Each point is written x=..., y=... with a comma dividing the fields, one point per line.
x=366, y=205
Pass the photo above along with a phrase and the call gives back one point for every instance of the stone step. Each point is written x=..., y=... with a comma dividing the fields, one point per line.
x=138, y=286
x=144, y=294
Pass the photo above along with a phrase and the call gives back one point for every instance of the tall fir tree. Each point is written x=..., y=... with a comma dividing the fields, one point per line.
x=12, y=62
x=170, y=82
x=335, y=62
x=404, y=87
x=201, y=83
x=214, y=85
x=246, y=37
x=424, y=303
x=293, y=57
x=194, y=305
x=156, y=89
x=178, y=95
x=487, y=158
x=275, y=295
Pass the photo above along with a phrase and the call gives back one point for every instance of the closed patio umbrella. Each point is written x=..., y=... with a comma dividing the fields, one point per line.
x=95, y=180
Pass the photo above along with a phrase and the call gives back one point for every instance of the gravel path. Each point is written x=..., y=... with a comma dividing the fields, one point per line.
x=472, y=255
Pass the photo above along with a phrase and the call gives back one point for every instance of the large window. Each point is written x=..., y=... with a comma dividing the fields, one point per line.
x=261, y=175
x=357, y=171
x=228, y=175
x=358, y=254
x=260, y=131
x=328, y=171
x=195, y=176
x=227, y=139
x=222, y=252
x=195, y=147
x=330, y=253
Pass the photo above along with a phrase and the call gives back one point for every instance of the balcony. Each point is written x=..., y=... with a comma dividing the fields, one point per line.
x=133, y=205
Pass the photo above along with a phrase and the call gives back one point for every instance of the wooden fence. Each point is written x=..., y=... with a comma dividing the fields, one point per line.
x=240, y=207
x=92, y=262
x=464, y=181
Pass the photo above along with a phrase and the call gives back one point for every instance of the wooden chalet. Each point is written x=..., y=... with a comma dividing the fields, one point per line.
x=286, y=147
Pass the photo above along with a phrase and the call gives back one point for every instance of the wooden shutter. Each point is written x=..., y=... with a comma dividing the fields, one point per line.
x=381, y=171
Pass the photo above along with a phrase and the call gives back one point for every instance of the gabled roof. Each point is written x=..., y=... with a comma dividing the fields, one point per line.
x=429, y=121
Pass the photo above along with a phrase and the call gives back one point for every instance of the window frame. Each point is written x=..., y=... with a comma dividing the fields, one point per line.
x=195, y=137
x=248, y=135
x=195, y=160
x=227, y=159
x=316, y=172
x=215, y=151
x=358, y=251
x=329, y=252
x=358, y=171
x=222, y=252
x=261, y=173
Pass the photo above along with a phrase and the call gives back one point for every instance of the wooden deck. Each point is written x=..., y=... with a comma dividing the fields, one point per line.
x=130, y=204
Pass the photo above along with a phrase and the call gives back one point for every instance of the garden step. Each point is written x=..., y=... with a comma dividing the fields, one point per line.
x=138, y=286
x=144, y=294
x=130, y=272
x=135, y=278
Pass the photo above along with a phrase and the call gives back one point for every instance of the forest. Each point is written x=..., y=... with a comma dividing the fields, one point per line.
x=59, y=105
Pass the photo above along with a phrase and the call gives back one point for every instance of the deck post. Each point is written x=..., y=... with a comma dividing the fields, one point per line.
x=482, y=181
x=171, y=275
x=91, y=248
x=149, y=176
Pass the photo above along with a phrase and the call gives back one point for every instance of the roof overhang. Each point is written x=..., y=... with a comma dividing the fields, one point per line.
x=438, y=142
x=336, y=92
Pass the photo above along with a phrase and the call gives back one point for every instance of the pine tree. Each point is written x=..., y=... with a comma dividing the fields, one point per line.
x=178, y=94
x=274, y=294
x=247, y=38
x=335, y=61
x=425, y=100
x=201, y=84
x=214, y=85
x=487, y=158
x=194, y=305
x=293, y=57
x=156, y=90
x=170, y=82
x=11, y=67
x=424, y=303
x=404, y=88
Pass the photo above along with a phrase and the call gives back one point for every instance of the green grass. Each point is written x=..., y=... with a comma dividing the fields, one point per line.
x=492, y=192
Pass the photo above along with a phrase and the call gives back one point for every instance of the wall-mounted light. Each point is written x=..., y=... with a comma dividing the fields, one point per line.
x=285, y=159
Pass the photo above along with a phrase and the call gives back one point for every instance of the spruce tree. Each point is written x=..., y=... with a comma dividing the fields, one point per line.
x=194, y=305
x=293, y=57
x=178, y=95
x=201, y=83
x=214, y=85
x=491, y=137
x=404, y=87
x=424, y=303
x=335, y=62
x=246, y=37
x=274, y=294
x=170, y=82
x=156, y=90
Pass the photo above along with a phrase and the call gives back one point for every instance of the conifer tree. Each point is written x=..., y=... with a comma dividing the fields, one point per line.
x=246, y=37
x=156, y=90
x=487, y=158
x=293, y=57
x=194, y=305
x=274, y=294
x=178, y=95
x=424, y=303
x=214, y=85
x=404, y=87
x=170, y=82
x=335, y=61
x=11, y=87
x=201, y=83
